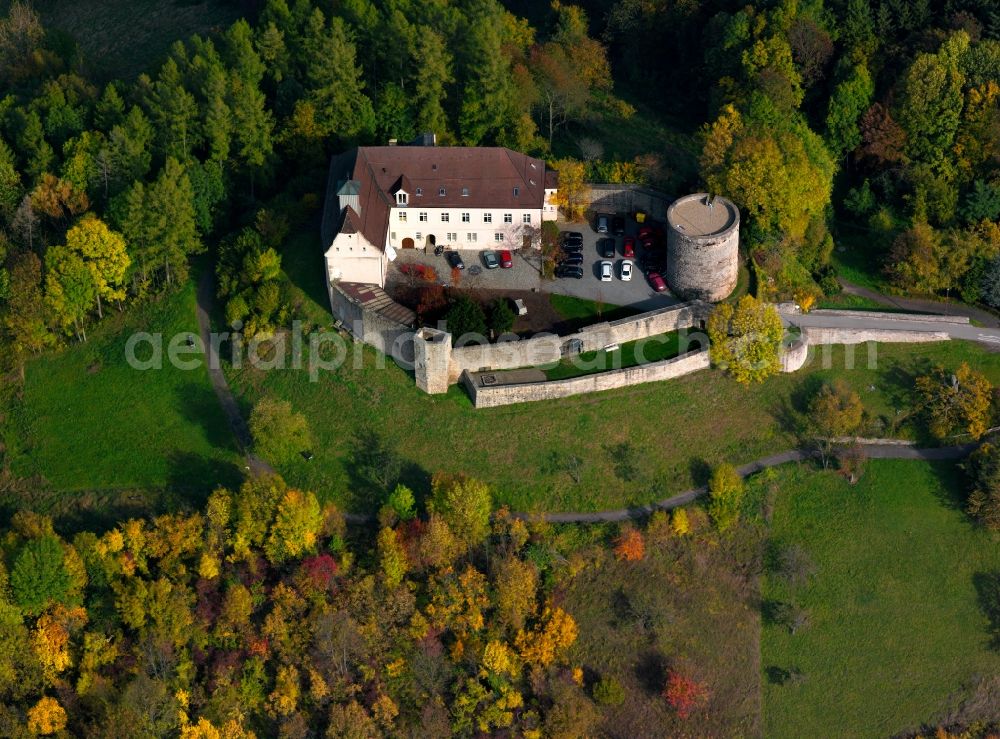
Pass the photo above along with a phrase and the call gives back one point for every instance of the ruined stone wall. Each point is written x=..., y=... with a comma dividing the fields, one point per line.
x=549, y=348
x=489, y=397
x=366, y=325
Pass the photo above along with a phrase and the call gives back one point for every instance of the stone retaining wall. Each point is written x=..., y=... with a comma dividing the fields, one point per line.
x=490, y=397
x=549, y=348
x=818, y=335
x=883, y=316
x=624, y=198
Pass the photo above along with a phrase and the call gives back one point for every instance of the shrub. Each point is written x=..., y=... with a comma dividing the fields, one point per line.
x=39, y=577
x=278, y=432
x=726, y=491
x=609, y=692
x=630, y=546
x=684, y=694
x=983, y=469
x=501, y=317
x=465, y=316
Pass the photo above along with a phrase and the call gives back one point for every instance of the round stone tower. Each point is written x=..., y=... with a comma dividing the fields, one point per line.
x=703, y=240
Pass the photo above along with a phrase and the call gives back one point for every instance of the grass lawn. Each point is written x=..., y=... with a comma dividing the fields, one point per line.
x=643, y=351
x=588, y=311
x=675, y=428
x=861, y=260
x=121, y=38
x=89, y=421
x=852, y=302
x=684, y=606
x=896, y=628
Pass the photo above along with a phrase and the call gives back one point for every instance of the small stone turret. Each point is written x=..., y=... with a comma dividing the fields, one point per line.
x=431, y=360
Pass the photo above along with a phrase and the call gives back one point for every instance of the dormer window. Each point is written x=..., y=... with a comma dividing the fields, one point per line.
x=401, y=198
x=420, y=191
x=465, y=192
x=517, y=191
x=441, y=192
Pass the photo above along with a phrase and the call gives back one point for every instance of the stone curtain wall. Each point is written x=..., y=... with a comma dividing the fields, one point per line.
x=493, y=396
x=368, y=326
x=814, y=335
x=549, y=348
x=625, y=198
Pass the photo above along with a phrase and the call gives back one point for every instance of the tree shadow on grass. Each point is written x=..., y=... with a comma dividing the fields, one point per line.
x=199, y=405
x=650, y=671
x=195, y=476
x=700, y=471
x=987, y=586
x=374, y=467
x=951, y=491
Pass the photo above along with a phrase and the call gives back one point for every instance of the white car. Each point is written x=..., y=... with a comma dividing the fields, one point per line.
x=625, y=270
x=607, y=273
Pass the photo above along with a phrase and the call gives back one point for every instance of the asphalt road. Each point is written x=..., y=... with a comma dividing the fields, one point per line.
x=819, y=319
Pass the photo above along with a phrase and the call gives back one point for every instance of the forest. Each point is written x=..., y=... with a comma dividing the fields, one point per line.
x=857, y=136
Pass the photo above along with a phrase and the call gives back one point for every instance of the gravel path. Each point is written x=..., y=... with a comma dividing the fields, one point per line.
x=231, y=409
x=876, y=450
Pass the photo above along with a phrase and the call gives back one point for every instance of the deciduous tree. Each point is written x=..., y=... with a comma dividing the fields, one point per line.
x=746, y=339
x=958, y=403
x=103, y=251
x=278, y=432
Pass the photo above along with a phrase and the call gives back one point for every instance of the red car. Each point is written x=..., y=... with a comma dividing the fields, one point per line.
x=656, y=282
x=628, y=248
x=645, y=232
x=506, y=260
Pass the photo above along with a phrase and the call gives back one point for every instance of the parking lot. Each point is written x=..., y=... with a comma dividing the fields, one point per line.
x=526, y=272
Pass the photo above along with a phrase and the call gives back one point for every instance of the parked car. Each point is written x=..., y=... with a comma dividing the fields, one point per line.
x=506, y=260
x=607, y=273
x=625, y=270
x=656, y=282
x=628, y=248
x=455, y=259
x=574, y=258
x=571, y=248
x=569, y=270
x=602, y=223
x=572, y=237
x=606, y=248
x=490, y=260
x=645, y=232
x=617, y=225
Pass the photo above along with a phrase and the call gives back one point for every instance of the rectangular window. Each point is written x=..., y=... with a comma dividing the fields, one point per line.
x=452, y=237
x=465, y=192
x=487, y=218
x=465, y=218
x=423, y=217
x=526, y=217
x=417, y=236
x=402, y=216
x=517, y=191
x=472, y=237
x=441, y=192
x=508, y=217
x=445, y=217
x=392, y=236
x=498, y=237
x=420, y=191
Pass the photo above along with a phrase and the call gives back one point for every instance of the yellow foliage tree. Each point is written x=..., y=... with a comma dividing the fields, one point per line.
x=679, y=522
x=571, y=195
x=103, y=251
x=957, y=402
x=746, y=340
x=46, y=717
x=297, y=525
x=549, y=640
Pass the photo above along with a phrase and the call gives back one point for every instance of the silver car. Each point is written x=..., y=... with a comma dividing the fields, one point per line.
x=607, y=272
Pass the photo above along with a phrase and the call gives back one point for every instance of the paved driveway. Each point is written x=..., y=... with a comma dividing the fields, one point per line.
x=526, y=273
x=636, y=293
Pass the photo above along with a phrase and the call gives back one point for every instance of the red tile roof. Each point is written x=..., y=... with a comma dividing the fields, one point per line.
x=489, y=177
